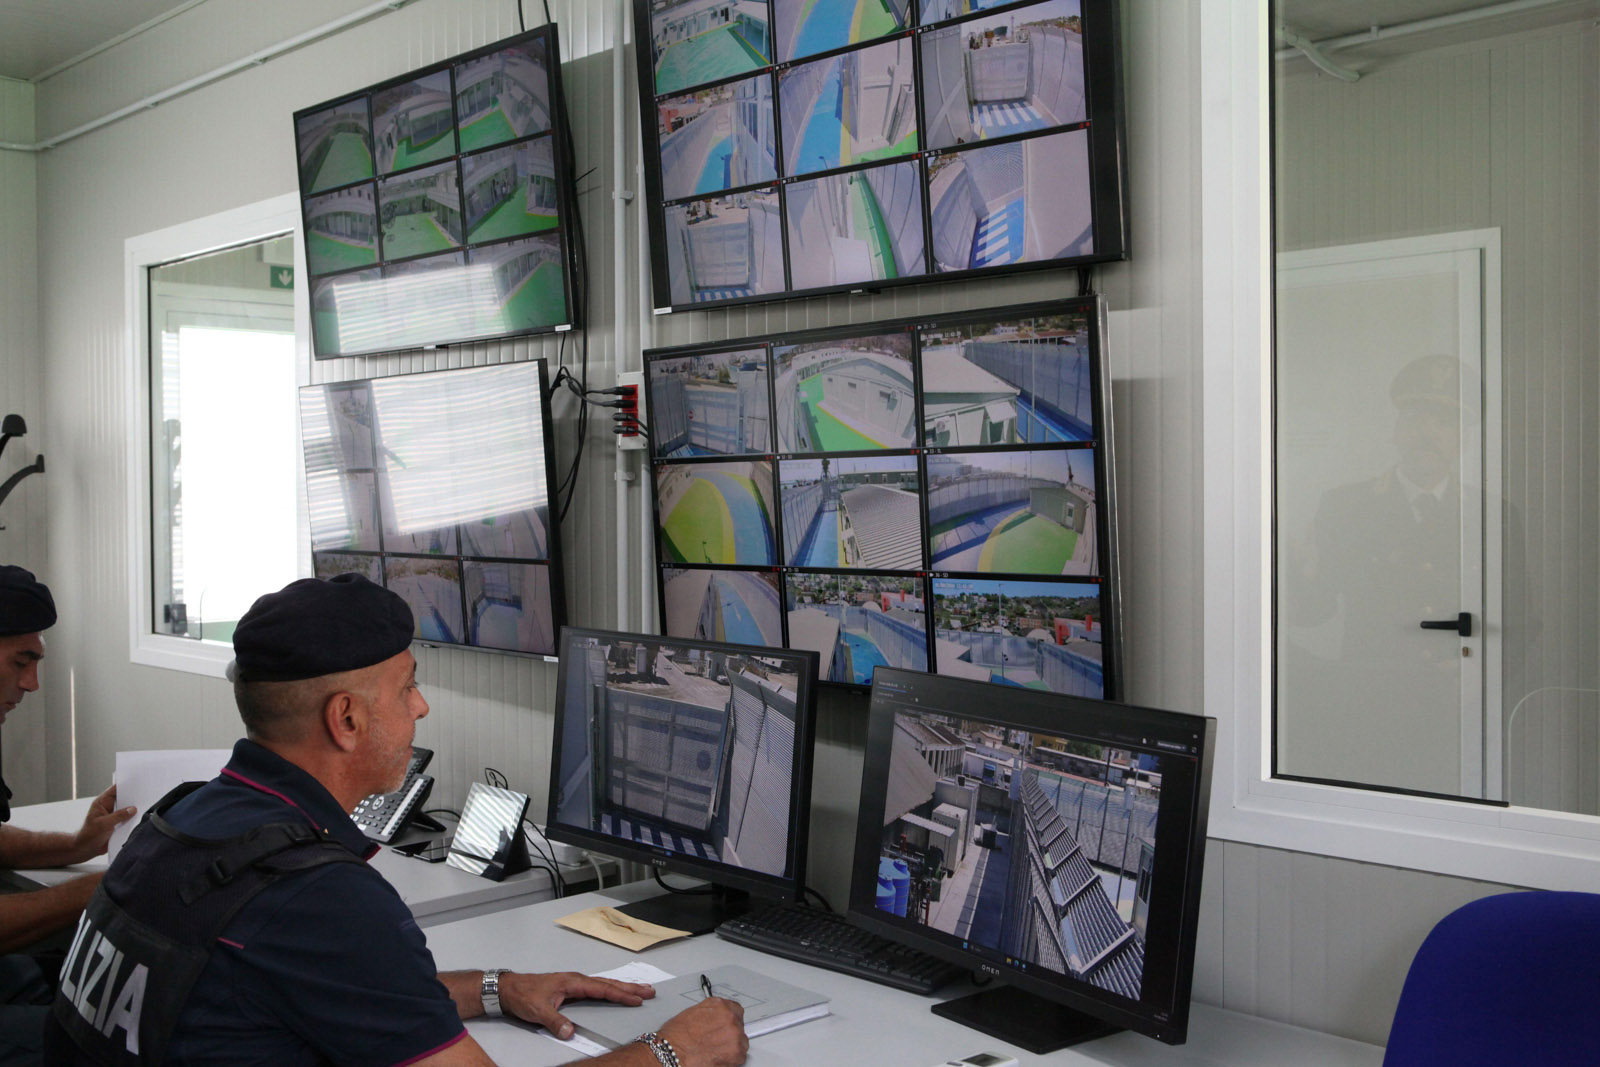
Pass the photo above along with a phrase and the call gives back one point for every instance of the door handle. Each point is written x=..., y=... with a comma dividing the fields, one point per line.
x=1461, y=624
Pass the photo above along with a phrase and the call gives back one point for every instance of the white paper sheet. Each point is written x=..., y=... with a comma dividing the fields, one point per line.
x=145, y=777
x=632, y=971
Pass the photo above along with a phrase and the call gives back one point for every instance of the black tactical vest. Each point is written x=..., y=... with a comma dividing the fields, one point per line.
x=151, y=926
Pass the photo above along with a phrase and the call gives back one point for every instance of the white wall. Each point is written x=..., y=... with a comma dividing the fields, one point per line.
x=1300, y=938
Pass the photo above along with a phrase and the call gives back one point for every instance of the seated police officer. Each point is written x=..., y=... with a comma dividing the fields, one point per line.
x=240, y=925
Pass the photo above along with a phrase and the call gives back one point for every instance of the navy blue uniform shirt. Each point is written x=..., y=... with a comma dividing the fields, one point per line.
x=327, y=966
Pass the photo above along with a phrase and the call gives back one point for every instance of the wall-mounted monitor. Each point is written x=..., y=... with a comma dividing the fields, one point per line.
x=439, y=206
x=932, y=494
x=438, y=486
x=796, y=148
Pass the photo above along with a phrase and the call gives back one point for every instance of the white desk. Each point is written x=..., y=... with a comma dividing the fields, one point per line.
x=435, y=892
x=870, y=1024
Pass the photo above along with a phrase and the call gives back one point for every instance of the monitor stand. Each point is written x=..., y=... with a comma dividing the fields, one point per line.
x=698, y=913
x=1024, y=1019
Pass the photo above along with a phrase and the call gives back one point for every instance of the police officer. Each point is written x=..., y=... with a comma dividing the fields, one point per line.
x=26, y=611
x=240, y=925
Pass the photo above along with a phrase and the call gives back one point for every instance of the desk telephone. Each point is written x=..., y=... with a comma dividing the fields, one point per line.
x=383, y=815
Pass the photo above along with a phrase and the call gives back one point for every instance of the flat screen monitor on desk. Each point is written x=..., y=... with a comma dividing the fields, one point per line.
x=692, y=756
x=1052, y=842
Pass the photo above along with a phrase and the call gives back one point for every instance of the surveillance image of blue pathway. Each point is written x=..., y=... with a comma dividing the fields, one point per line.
x=717, y=174
x=991, y=907
x=820, y=548
x=739, y=623
x=1036, y=424
x=435, y=628
x=999, y=236
x=820, y=141
x=865, y=656
x=827, y=25
x=752, y=530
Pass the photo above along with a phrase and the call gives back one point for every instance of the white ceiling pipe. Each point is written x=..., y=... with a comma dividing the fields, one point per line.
x=255, y=59
x=1439, y=22
x=1290, y=36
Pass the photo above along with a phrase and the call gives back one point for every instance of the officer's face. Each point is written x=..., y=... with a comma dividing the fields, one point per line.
x=19, y=669
x=396, y=705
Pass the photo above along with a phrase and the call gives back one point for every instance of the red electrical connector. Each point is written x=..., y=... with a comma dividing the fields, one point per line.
x=627, y=416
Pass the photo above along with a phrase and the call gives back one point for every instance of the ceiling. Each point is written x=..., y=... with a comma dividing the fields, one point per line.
x=38, y=35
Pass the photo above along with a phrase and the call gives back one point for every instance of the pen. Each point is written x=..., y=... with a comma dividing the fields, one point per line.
x=705, y=984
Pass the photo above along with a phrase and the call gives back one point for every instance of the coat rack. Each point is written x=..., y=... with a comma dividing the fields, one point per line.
x=16, y=426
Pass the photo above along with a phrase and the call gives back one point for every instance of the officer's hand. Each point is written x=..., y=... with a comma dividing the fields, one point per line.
x=537, y=998
x=103, y=817
x=710, y=1034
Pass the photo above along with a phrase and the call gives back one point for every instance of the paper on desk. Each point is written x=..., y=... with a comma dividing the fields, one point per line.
x=632, y=971
x=145, y=777
x=609, y=924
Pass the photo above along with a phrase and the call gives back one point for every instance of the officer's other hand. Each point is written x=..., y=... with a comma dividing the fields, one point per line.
x=710, y=1034
x=104, y=816
x=537, y=998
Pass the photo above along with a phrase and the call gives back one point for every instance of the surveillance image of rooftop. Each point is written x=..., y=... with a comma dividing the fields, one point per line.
x=1021, y=201
x=806, y=27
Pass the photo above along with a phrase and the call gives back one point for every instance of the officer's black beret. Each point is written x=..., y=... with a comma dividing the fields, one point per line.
x=318, y=626
x=26, y=606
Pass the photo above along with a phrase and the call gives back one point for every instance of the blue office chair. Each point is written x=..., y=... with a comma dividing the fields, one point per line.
x=1509, y=979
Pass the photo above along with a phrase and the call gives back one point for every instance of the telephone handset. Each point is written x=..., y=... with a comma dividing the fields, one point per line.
x=383, y=815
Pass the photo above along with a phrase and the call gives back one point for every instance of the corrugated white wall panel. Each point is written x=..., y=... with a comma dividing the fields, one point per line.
x=231, y=144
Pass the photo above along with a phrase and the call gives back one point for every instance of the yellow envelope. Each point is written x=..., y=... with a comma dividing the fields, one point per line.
x=609, y=924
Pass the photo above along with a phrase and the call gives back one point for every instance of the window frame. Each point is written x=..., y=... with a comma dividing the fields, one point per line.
x=226, y=229
x=1513, y=845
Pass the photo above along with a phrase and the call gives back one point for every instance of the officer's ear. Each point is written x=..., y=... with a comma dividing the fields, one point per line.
x=344, y=719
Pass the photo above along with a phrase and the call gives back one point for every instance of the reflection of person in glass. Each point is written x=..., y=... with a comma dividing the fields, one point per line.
x=1388, y=547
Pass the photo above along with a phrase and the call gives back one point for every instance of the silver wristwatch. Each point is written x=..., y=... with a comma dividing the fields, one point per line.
x=490, y=990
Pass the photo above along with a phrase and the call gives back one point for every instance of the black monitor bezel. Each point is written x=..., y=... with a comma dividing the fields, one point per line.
x=1176, y=888
x=786, y=888
x=569, y=230
x=1108, y=154
x=1091, y=308
x=553, y=563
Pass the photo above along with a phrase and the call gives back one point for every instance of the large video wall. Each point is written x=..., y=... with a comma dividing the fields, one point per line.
x=804, y=146
x=932, y=494
x=438, y=207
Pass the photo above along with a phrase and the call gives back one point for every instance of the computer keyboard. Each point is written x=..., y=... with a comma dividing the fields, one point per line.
x=825, y=939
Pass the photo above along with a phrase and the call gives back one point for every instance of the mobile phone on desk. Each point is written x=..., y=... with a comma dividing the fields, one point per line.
x=383, y=815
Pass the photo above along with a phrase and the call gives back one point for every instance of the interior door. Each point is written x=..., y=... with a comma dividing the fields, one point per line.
x=1383, y=594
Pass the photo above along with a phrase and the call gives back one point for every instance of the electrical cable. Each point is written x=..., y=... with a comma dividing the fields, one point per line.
x=522, y=23
x=808, y=891
x=547, y=854
x=599, y=879
x=700, y=892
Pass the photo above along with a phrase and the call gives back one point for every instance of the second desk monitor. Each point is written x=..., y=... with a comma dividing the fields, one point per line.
x=692, y=756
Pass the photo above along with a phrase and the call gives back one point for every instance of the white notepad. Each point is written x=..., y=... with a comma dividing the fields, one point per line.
x=768, y=1005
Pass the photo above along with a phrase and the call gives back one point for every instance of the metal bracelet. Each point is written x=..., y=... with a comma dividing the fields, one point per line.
x=489, y=991
x=661, y=1047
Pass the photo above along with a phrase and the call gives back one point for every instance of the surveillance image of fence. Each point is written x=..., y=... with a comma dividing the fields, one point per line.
x=699, y=41
x=852, y=511
x=511, y=191
x=1017, y=202
x=1007, y=382
x=421, y=212
x=848, y=394
x=503, y=96
x=714, y=404
x=413, y=123
x=717, y=513
x=1037, y=847
x=341, y=230
x=718, y=138
x=432, y=588
x=849, y=108
x=933, y=11
x=343, y=510
x=1043, y=635
x=857, y=622
x=334, y=146
x=1004, y=74
x=673, y=750
x=740, y=607
x=725, y=247
x=860, y=226
x=509, y=606
x=806, y=27
x=1025, y=512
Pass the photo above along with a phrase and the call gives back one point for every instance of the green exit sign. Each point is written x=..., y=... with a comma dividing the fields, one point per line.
x=282, y=277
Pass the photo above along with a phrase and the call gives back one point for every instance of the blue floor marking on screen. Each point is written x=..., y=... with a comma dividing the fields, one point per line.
x=726, y=293
x=738, y=624
x=971, y=534
x=820, y=548
x=991, y=898
x=998, y=239
x=828, y=26
x=819, y=145
x=865, y=656
x=1036, y=425
x=752, y=535
x=716, y=174
x=434, y=628
x=999, y=120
